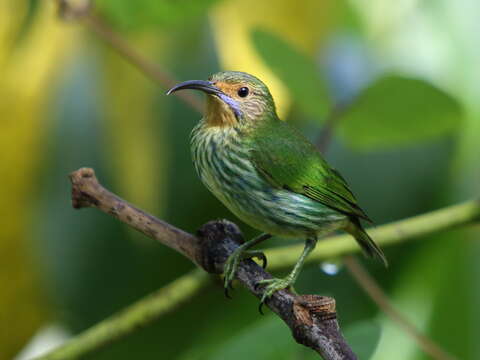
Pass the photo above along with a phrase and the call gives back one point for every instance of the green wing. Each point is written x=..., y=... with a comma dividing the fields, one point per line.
x=288, y=160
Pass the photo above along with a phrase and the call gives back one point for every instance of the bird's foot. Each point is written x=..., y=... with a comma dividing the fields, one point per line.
x=230, y=267
x=273, y=285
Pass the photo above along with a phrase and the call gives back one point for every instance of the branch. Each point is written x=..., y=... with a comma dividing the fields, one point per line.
x=311, y=318
x=124, y=323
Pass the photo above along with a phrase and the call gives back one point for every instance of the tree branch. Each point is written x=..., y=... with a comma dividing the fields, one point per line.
x=180, y=290
x=87, y=192
x=311, y=318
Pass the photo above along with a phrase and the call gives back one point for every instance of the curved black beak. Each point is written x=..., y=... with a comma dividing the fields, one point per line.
x=205, y=86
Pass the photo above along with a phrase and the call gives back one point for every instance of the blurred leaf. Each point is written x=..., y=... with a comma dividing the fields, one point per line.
x=305, y=31
x=27, y=22
x=363, y=338
x=397, y=111
x=28, y=68
x=140, y=14
x=296, y=70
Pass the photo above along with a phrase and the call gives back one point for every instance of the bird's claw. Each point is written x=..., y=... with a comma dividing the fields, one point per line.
x=226, y=290
x=272, y=286
x=230, y=267
x=229, y=270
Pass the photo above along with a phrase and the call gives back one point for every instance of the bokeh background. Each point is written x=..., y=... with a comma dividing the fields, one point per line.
x=408, y=74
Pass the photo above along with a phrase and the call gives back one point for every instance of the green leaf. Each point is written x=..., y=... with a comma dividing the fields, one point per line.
x=397, y=111
x=296, y=70
x=363, y=338
x=138, y=14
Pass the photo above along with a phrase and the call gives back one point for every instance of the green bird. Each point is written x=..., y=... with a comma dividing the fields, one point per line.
x=267, y=173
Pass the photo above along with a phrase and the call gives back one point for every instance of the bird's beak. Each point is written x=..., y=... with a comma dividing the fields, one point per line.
x=208, y=87
x=205, y=86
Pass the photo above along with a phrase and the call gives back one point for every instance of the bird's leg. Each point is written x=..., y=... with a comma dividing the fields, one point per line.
x=279, y=284
x=241, y=253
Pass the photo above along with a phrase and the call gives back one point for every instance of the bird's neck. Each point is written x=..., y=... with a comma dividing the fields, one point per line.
x=219, y=114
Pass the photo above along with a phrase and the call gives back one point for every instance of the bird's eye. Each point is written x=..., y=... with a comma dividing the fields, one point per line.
x=243, y=91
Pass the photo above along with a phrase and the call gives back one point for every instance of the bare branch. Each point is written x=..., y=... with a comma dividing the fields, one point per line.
x=311, y=318
x=124, y=323
x=87, y=192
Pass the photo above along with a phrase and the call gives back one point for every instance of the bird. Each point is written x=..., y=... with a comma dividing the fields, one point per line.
x=268, y=173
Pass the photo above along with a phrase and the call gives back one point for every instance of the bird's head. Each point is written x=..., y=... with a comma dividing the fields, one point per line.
x=233, y=98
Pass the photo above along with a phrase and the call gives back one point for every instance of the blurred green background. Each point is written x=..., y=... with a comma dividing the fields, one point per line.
x=406, y=71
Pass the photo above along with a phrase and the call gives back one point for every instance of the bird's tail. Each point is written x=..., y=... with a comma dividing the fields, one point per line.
x=365, y=241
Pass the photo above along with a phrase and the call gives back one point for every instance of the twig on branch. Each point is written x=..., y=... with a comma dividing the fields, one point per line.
x=311, y=318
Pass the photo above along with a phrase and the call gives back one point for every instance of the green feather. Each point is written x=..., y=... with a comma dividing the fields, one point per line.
x=289, y=161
